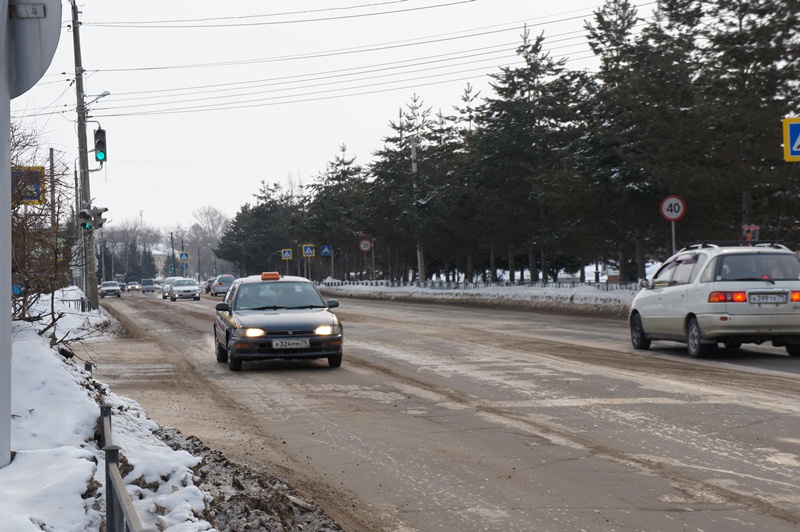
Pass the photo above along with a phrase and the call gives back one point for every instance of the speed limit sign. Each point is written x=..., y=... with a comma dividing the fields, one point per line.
x=672, y=208
x=365, y=245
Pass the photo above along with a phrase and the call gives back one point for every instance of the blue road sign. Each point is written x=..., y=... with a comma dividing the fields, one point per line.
x=308, y=250
x=184, y=257
x=184, y=266
x=287, y=254
x=27, y=184
x=791, y=139
x=326, y=251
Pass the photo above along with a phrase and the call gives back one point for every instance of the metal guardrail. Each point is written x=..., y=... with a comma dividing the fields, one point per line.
x=120, y=513
x=453, y=285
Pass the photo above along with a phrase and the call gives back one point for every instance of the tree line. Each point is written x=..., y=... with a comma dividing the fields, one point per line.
x=556, y=168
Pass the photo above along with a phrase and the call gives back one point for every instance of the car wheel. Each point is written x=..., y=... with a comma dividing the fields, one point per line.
x=222, y=353
x=172, y=299
x=638, y=339
x=234, y=362
x=335, y=361
x=119, y=295
x=793, y=350
x=196, y=298
x=694, y=341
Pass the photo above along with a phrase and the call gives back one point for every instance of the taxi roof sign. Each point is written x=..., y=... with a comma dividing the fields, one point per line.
x=270, y=276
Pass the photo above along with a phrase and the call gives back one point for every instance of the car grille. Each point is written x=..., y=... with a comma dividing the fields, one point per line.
x=285, y=334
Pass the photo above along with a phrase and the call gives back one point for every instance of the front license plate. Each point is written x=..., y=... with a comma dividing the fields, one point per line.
x=768, y=298
x=302, y=343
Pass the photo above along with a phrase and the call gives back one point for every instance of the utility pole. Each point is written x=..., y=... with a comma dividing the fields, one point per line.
x=89, y=263
x=172, y=247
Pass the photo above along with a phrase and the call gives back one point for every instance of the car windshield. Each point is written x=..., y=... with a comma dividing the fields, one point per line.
x=284, y=295
x=111, y=284
x=768, y=266
x=184, y=282
x=225, y=279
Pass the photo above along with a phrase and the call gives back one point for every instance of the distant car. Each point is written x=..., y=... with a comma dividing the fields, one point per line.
x=166, y=286
x=221, y=284
x=148, y=285
x=209, y=282
x=710, y=294
x=184, y=289
x=110, y=289
x=134, y=286
x=270, y=316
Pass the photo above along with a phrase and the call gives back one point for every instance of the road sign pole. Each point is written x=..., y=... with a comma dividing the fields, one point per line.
x=674, y=250
x=5, y=243
x=28, y=40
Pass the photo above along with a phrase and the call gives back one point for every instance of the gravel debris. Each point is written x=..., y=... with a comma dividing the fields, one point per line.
x=244, y=498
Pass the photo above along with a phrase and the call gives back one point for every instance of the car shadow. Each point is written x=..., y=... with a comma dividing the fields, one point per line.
x=287, y=366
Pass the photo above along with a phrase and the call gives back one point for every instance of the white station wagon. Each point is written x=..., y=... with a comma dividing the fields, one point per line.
x=710, y=294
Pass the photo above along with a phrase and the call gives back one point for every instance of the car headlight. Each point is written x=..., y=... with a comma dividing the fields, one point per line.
x=254, y=333
x=327, y=330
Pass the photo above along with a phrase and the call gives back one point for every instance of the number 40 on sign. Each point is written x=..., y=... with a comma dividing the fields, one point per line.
x=672, y=208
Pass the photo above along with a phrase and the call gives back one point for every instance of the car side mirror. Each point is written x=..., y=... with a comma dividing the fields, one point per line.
x=223, y=307
x=644, y=283
x=332, y=303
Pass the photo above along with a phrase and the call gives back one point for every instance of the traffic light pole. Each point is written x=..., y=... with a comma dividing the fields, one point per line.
x=90, y=266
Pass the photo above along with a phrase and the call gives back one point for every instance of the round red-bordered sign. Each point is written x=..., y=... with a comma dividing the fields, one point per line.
x=673, y=208
x=365, y=245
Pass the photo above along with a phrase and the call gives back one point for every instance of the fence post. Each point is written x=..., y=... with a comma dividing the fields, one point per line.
x=105, y=424
x=113, y=521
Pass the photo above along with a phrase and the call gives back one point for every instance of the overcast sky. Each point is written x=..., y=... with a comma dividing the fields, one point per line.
x=210, y=98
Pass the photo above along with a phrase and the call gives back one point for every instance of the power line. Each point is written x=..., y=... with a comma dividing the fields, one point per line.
x=351, y=73
x=297, y=21
x=240, y=17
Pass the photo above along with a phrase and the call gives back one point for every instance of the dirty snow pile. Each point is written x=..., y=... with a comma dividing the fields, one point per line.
x=55, y=481
x=595, y=300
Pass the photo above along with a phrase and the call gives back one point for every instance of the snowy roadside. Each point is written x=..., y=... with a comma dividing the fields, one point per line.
x=55, y=481
x=588, y=300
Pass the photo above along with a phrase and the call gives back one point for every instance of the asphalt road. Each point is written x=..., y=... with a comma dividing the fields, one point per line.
x=461, y=419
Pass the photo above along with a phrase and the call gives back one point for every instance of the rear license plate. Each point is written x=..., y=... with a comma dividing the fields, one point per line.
x=768, y=298
x=301, y=343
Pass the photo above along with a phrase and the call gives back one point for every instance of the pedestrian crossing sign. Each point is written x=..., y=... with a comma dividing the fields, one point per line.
x=791, y=139
x=308, y=250
x=287, y=254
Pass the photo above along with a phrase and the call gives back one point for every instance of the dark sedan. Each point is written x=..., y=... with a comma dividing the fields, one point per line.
x=270, y=316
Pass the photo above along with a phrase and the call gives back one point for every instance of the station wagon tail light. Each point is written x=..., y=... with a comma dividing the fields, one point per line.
x=795, y=297
x=270, y=276
x=727, y=297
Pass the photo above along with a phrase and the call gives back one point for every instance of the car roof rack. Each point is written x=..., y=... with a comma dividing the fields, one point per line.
x=777, y=244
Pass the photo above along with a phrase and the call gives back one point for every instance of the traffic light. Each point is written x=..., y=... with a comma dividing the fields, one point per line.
x=85, y=219
x=97, y=217
x=100, y=145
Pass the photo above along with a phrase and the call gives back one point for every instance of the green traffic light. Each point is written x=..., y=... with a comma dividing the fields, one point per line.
x=86, y=226
x=100, y=155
